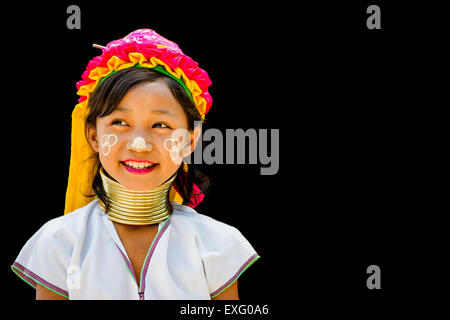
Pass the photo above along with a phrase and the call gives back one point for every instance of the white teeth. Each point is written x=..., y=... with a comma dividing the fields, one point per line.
x=138, y=165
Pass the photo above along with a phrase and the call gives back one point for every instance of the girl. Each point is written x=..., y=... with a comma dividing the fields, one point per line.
x=140, y=238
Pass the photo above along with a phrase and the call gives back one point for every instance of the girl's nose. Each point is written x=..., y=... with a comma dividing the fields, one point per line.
x=139, y=145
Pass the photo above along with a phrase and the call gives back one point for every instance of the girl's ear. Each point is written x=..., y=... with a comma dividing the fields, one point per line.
x=91, y=134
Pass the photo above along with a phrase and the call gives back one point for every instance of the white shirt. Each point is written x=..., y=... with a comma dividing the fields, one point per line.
x=80, y=256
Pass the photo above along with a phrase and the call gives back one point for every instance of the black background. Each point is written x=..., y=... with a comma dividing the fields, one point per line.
x=352, y=105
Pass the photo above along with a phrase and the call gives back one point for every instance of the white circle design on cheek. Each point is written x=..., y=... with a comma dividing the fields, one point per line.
x=107, y=141
x=173, y=147
x=174, y=144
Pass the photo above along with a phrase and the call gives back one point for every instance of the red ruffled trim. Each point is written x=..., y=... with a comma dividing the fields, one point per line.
x=196, y=198
x=146, y=41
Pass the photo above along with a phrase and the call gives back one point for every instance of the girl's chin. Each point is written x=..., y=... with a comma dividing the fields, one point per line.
x=139, y=180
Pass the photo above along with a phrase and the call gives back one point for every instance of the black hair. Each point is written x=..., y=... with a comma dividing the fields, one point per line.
x=106, y=98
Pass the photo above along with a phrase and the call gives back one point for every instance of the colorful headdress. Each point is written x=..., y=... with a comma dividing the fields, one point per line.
x=141, y=48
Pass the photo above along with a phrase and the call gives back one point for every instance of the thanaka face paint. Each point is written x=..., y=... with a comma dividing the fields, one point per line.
x=107, y=142
x=178, y=141
x=173, y=147
x=139, y=144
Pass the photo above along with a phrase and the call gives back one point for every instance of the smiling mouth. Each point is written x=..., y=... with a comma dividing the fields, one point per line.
x=138, y=166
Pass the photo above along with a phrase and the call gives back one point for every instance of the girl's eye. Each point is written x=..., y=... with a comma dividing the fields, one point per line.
x=119, y=123
x=160, y=125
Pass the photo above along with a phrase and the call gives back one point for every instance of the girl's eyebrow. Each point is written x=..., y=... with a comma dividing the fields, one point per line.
x=163, y=111
x=159, y=111
x=122, y=109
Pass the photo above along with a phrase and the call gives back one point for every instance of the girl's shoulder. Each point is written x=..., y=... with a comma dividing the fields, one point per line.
x=186, y=215
x=74, y=224
x=47, y=255
x=224, y=252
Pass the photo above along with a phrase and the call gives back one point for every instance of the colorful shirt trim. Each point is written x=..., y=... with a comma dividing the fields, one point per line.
x=241, y=270
x=33, y=279
x=150, y=254
x=141, y=285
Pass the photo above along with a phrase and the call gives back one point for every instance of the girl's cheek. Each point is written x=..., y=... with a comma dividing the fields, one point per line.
x=107, y=141
x=176, y=145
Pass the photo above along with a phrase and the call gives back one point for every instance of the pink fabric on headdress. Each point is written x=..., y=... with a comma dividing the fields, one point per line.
x=150, y=44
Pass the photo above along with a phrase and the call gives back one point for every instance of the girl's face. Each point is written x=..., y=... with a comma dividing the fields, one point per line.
x=132, y=137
